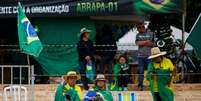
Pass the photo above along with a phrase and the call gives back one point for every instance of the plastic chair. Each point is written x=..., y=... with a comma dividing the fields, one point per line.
x=15, y=91
x=128, y=96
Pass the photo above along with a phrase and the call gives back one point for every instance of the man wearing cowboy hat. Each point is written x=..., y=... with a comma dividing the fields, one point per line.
x=68, y=90
x=101, y=94
x=86, y=52
x=159, y=75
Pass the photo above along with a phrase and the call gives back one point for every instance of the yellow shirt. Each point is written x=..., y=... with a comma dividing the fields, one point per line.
x=165, y=64
x=78, y=89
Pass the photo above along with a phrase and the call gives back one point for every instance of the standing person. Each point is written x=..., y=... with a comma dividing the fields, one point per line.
x=159, y=75
x=144, y=39
x=86, y=54
x=99, y=92
x=121, y=73
x=68, y=90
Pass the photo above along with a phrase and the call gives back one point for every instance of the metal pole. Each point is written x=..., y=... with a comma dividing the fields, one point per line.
x=28, y=60
x=12, y=84
x=183, y=29
x=29, y=75
x=31, y=78
x=183, y=24
x=29, y=68
x=183, y=36
x=32, y=83
x=20, y=81
x=2, y=82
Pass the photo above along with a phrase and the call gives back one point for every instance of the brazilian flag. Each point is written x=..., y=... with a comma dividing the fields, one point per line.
x=28, y=39
x=142, y=7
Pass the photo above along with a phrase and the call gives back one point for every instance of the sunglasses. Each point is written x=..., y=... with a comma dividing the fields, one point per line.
x=140, y=27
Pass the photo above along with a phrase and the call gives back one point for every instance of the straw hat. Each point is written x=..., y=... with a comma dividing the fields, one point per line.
x=155, y=52
x=100, y=77
x=72, y=74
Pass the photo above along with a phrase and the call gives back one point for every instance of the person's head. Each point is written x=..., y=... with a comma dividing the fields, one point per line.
x=84, y=33
x=122, y=59
x=156, y=55
x=157, y=59
x=100, y=81
x=141, y=28
x=71, y=78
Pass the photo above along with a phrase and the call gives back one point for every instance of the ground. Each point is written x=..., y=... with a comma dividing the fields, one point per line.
x=183, y=92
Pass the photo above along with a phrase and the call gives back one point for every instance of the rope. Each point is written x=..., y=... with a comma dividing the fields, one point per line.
x=72, y=45
x=37, y=75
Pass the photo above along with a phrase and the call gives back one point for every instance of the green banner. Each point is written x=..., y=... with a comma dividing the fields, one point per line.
x=47, y=8
x=194, y=37
x=59, y=38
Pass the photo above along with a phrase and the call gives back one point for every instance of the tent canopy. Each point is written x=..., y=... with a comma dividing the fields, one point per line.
x=129, y=39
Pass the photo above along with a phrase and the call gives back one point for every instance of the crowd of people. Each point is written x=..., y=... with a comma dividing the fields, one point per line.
x=159, y=71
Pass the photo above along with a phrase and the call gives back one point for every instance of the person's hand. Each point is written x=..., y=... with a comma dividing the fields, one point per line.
x=142, y=43
x=88, y=58
x=153, y=75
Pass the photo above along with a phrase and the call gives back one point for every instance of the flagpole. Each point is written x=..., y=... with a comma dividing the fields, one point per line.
x=31, y=75
x=183, y=41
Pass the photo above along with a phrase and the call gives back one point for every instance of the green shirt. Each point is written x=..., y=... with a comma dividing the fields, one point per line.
x=107, y=95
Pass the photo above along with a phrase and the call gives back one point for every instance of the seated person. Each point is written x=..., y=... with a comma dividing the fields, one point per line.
x=68, y=90
x=121, y=73
x=98, y=92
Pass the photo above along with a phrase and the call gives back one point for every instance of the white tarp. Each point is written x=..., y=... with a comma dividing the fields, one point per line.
x=127, y=42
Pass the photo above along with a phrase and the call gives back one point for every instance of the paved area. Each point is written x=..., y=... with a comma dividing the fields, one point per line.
x=141, y=96
x=185, y=92
x=179, y=96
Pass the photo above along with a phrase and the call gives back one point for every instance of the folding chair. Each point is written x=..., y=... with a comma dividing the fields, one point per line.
x=126, y=96
x=16, y=92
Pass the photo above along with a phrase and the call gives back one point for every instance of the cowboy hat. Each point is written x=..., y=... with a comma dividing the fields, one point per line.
x=83, y=30
x=100, y=77
x=155, y=52
x=72, y=74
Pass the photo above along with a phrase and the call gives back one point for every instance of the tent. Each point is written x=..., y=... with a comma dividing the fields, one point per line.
x=127, y=42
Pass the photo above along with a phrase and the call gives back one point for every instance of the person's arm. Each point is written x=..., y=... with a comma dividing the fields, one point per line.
x=148, y=42
x=92, y=49
x=173, y=72
x=149, y=71
x=144, y=43
x=80, y=48
x=140, y=42
x=59, y=93
x=116, y=70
